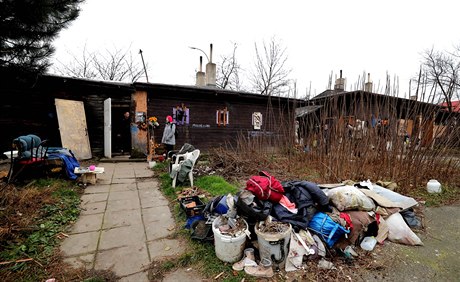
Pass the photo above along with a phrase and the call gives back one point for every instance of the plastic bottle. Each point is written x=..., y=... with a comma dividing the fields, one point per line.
x=368, y=243
x=433, y=186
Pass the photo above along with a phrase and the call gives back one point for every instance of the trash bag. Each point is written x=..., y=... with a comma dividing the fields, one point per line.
x=350, y=198
x=399, y=232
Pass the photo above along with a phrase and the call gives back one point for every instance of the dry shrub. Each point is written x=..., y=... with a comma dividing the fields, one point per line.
x=376, y=152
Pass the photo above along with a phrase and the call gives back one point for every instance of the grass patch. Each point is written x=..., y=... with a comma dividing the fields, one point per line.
x=216, y=185
x=449, y=195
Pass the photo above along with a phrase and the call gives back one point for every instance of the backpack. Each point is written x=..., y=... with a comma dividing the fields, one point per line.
x=175, y=131
x=265, y=187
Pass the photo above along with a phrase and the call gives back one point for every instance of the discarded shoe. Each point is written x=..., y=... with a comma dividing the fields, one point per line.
x=264, y=269
x=247, y=260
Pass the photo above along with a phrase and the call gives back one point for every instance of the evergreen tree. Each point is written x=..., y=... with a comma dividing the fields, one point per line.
x=27, y=29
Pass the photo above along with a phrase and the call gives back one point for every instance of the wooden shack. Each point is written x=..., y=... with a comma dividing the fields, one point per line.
x=206, y=117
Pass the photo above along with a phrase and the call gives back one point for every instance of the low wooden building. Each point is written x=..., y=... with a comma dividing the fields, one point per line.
x=206, y=117
x=335, y=109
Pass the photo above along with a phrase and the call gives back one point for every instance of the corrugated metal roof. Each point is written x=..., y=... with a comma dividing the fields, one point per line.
x=302, y=111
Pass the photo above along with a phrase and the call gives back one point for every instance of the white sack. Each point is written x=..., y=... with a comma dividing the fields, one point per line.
x=350, y=198
x=399, y=232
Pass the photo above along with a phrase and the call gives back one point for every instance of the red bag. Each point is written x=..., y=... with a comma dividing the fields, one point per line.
x=265, y=187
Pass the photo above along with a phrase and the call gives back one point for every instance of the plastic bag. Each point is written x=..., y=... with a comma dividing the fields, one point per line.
x=399, y=232
x=350, y=198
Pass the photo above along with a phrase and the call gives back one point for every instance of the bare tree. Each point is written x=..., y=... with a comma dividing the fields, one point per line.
x=270, y=76
x=441, y=71
x=115, y=65
x=228, y=72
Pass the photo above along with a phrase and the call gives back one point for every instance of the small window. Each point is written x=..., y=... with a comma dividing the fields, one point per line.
x=222, y=117
x=181, y=114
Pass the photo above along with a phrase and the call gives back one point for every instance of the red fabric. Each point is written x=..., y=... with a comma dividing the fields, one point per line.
x=377, y=218
x=265, y=187
x=170, y=119
x=286, y=203
x=30, y=161
x=347, y=218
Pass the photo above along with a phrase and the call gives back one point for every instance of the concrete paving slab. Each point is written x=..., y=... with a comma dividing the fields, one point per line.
x=125, y=204
x=98, y=188
x=158, y=230
x=123, y=261
x=151, y=192
x=124, y=173
x=85, y=223
x=148, y=184
x=123, y=187
x=122, y=236
x=122, y=195
x=165, y=248
x=103, y=181
x=123, y=180
x=122, y=218
x=144, y=173
x=81, y=243
x=155, y=214
x=107, y=175
x=92, y=198
x=85, y=261
x=150, y=203
x=114, y=232
x=136, y=277
x=182, y=274
x=92, y=208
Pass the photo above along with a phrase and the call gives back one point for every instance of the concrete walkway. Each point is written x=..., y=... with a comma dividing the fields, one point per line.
x=124, y=224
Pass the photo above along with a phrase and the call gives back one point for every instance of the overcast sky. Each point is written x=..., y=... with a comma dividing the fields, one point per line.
x=319, y=36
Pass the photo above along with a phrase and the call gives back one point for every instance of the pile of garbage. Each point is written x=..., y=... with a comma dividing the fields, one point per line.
x=273, y=225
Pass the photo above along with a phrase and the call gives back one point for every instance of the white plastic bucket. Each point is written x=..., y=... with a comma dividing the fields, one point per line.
x=433, y=186
x=274, y=246
x=228, y=248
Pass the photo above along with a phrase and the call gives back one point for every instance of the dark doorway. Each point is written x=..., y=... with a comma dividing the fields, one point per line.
x=121, y=132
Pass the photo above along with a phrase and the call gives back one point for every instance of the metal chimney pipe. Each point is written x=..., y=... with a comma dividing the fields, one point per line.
x=210, y=53
x=201, y=63
x=340, y=74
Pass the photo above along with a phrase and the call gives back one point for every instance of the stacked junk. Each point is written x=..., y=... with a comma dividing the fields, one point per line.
x=274, y=225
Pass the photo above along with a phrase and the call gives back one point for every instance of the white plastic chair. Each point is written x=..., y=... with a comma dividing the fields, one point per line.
x=193, y=156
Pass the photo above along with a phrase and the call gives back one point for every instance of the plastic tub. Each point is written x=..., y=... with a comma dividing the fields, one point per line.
x=368, y=243
x=274, y=246
x=228, y=248
x=433, y=186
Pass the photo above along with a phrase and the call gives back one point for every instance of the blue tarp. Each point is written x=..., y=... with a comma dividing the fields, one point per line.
x=68, y=159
